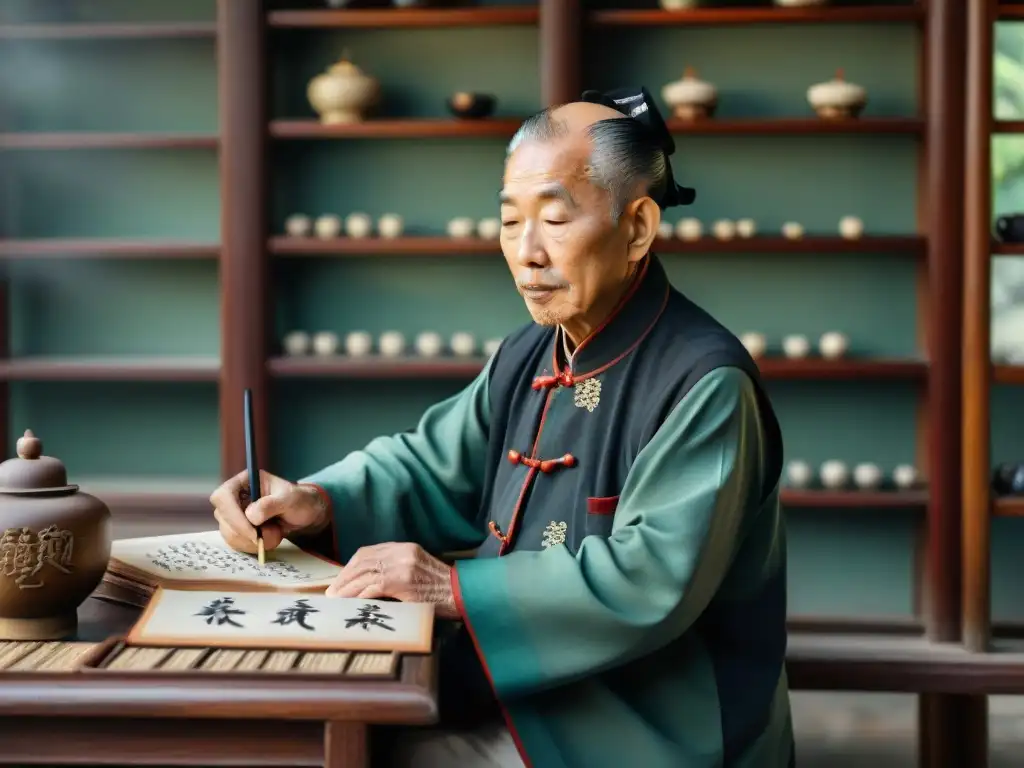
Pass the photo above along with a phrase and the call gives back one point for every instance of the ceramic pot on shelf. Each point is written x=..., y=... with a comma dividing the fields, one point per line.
x=837, y=99
x=54, y=546
x=690, y=98
x=343, y=94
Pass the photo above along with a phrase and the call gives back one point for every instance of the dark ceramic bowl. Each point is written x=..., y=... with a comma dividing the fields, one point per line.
x=472, y=105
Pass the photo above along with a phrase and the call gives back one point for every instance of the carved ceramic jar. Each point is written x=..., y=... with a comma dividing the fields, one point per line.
x=690, y=97
x=343, y=94
x=837, y=98
x=54, y=546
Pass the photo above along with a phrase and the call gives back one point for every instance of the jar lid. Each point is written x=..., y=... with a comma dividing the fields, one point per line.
x=32, y=472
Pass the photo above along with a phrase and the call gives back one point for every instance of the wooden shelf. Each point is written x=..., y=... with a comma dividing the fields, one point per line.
x=1008, y=506
x=760, y=15
x=376, y=367
x=403, y=17
x=103, y=248
x=910, y=244
x=99, y=140
x=110, y=368
x=854, y=499
x=1010, y=11
x=1008, y=374
x=435, y=128
x=414, y=246
x=850, y=369
x=1008, y=126
x=107, y=31
x=376, y=246
x=796, y=125
x=1007, y=249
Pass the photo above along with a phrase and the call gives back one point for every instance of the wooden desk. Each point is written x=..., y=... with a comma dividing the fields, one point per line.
x=112, y=719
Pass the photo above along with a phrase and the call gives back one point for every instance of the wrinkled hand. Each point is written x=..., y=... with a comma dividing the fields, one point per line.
x=399, y=570
x=284, y=508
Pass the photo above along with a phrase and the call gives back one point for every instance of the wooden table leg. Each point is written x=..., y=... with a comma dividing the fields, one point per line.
x=953, y=731
x=345, y=745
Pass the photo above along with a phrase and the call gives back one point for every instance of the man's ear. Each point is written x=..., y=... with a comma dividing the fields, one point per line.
x=644, y=218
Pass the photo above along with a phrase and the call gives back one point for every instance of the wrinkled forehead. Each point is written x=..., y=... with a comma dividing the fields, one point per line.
x=536, y=167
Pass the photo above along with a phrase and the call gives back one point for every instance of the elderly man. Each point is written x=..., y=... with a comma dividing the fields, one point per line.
x=615, y=467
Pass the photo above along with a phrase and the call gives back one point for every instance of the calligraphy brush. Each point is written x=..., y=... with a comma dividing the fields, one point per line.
x=253, y=468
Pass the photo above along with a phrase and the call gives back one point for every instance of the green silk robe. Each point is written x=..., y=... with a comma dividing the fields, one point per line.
x=591, y=653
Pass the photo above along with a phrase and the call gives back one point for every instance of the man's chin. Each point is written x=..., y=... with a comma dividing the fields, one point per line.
x=542, y=317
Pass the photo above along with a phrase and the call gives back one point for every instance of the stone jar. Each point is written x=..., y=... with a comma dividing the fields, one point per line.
x=54, y=546
x=343, y=94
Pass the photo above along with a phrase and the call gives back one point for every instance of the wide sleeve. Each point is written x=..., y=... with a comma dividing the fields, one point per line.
x=548, y=618
x=421, y=486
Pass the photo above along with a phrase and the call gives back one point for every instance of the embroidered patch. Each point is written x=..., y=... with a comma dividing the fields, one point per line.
x=554, y=534
x=587, y=393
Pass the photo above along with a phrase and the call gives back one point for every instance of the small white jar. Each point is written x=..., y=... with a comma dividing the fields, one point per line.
x=326, y=344
x=791, y=230
x=460, y=228
x=796, y=347
x=358, y=226
x=851, y=228
x=488, y=229
x=358, y=344
x=296, y=343
x=429, y=344
x=746, y=228
x=390, y=226
x=724, y=229
x=665, y=230
x=833, y=345
x=867, y=476
x=905, y=477
x=328, y=226
x=756, y=343
x=491, y=346
x=391, y=344
x=689, y=229
x=462, y=344
x=298, y=225
x=834, y=474
x=799, y=474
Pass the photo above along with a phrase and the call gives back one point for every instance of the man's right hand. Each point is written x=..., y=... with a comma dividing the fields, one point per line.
x=284, y=508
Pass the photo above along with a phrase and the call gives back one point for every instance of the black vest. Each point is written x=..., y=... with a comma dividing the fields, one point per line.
x=563, y=438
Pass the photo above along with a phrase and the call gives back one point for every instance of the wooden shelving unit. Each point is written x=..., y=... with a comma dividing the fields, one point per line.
x=250, y=132
x=98, y=140
x=414, y=246
x=356, y=18
x=759, y=15
x=91, y=248
x=395, y=129
x=108, y=31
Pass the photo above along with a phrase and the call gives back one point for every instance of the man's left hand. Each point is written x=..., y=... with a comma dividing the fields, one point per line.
x=399, y=570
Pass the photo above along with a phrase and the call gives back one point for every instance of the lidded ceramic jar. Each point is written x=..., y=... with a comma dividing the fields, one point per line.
x=54, y=545
x=690, y=97
x=837, y=98
x=343, y=94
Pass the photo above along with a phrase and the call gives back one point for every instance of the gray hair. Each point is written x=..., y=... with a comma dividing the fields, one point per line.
x=624, y=160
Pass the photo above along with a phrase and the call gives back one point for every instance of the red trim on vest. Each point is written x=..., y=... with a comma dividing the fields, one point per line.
x=602, y=505
x=457, y=594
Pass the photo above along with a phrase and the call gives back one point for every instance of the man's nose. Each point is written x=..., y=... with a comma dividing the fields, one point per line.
x=531, y=251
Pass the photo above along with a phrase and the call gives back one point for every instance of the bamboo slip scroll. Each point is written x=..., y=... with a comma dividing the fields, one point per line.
x=282, y=621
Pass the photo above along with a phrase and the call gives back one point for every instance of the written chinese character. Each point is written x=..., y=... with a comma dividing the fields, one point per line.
x=369, y=615
x=24, y=554
x=297, y=613
x=221, y=611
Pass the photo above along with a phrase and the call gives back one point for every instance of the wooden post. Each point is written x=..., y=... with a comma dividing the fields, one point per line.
x=945, y=139
x=977, y=368
x=560, y=51
x=243, y=263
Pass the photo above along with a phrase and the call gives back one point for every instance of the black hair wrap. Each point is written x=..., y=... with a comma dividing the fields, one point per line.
x=638, y=104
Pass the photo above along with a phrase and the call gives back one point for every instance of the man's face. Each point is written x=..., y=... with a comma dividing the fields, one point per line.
x=565, y=252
